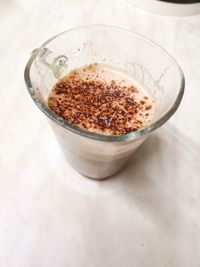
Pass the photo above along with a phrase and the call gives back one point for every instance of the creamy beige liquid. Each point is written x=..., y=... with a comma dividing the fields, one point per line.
x=102, y=99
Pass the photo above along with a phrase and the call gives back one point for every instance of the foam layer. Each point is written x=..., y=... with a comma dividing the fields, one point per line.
x=102, y=99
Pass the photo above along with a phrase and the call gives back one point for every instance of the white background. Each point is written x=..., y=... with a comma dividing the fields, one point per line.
x=148, y=215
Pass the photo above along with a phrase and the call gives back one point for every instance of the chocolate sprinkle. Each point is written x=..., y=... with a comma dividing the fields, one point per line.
x=98, y=106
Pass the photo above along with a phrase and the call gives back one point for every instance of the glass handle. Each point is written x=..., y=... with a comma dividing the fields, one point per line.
x=58, y=63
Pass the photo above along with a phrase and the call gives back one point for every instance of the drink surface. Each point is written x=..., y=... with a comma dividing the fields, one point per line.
x=102, y=99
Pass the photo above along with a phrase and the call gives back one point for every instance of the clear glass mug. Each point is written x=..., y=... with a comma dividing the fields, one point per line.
x=97, y=156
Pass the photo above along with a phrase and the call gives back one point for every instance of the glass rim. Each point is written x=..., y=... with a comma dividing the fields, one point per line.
x=125, y=137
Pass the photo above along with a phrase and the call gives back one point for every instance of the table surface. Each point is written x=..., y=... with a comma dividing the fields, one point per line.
x=148, y=215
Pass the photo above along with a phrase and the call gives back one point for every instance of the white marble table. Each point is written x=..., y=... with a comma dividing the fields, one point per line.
x=148, y=215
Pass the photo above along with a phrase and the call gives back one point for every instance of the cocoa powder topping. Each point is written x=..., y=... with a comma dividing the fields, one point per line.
x=98, y=106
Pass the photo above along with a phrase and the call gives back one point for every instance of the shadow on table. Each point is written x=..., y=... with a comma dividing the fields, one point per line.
x=148, y=181
x=151, y=182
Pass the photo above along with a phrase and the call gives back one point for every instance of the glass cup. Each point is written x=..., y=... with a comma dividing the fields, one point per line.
x=93, y=155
